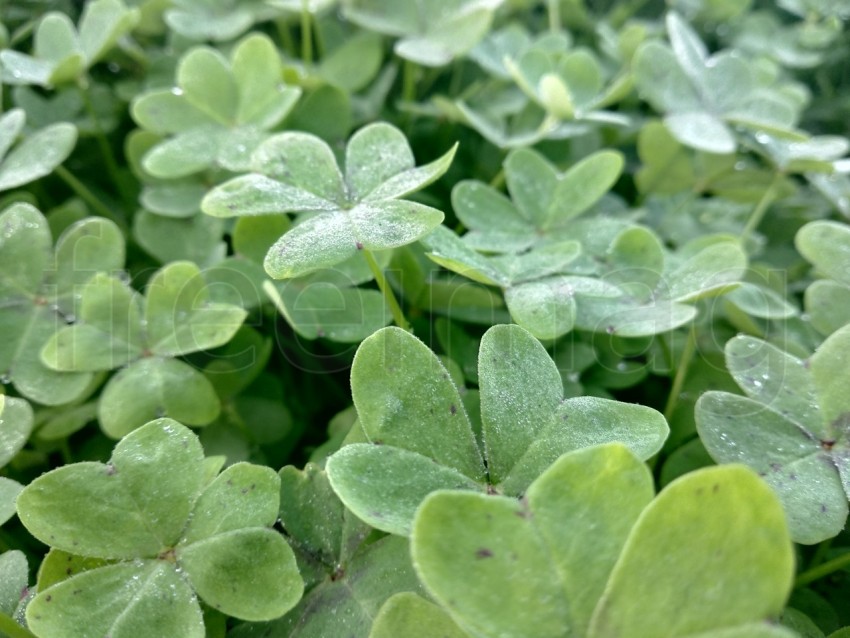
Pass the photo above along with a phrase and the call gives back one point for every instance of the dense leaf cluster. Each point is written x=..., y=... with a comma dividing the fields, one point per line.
x=611, y=236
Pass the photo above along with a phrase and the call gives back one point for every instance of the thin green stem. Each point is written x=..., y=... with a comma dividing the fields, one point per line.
x=624, y=11
x=13, y=629
x=387, y=291
x=103, y=143
x=681, y=373
x=408, y=91
x=822, y=570
x=306, y=34
x=88, y=197
x=761, y=207
x=286, y=40
x=820, y=553
x=554, y=10
x=498, y=179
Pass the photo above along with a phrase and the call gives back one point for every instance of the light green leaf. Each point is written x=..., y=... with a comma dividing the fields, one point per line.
x=25, y=246
x=26, y=327
x=535, y=566
x=431, y=34
x=135, y=506
x=829, y=372
x=412, y=616
x=773, y=377
x=374, y=154
x=826, y=244
x=16, y=422
x=702, y=131
x=11, y=125
x=743, y=572
x=90, y=246
x=102, y=24
x=520, y=390
x=583, y=185
x=208, y=84
x=180, y=318
x=828, y=305
x=9, y=491
x=37, y=155
x=151, y=388
x=108, y=334
x=227, y=574
x=125, y=600
x=384, y=485
x=419, y=410
x=302, y=161
x=13, y=580
x=739, y=430
x=242, y=496
x=347, y=604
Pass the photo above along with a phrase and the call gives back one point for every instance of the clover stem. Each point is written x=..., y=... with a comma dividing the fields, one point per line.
x=306, y=34
x=286, y=38
x=387, y=291
x=88, y=197
x=498, y=179
x=822, y=570
x=761, y=207
x=681, y=373
x=408, y=91
x=12, y=629
x=102, y=142
x=554, y=10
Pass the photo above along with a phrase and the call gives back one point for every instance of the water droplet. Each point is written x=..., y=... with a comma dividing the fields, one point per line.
x=177, y=91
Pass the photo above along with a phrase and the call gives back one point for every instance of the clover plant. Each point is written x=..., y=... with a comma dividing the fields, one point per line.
x=460, y=318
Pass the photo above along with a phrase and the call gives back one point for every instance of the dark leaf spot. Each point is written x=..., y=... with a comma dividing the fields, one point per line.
x=453, y=409
x=483, y=553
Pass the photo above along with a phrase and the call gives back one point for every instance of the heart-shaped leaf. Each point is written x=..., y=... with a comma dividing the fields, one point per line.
x=42, y=290
x=219, y=111
x=175, y=531
x=361, y=211
x=425, y=441
x=503, y=567
x=61, y=52
x=792, y=428
x=429, y=34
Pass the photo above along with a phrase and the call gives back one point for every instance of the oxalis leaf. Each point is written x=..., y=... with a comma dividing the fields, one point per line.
x=792, y=427
x=40, y=288
x=117, y=328
x=704, y=97
x=170, y=536
x=348, y=578
x=430, y=34
x=421, y=440
x=574, y=555
x=220, y=110
x=357, y=210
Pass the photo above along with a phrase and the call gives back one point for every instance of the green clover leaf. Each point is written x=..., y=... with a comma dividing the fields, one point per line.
x=431, y=34
x=62, y=52
x=419, y=438
x=40, y=286
x=358, y=210
x=36, y=155
x=791, y=427
x=347, y=578
x=219, y=112
x=116, y=328
x=167, y=534
x=704, y=97
x=588, y=552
